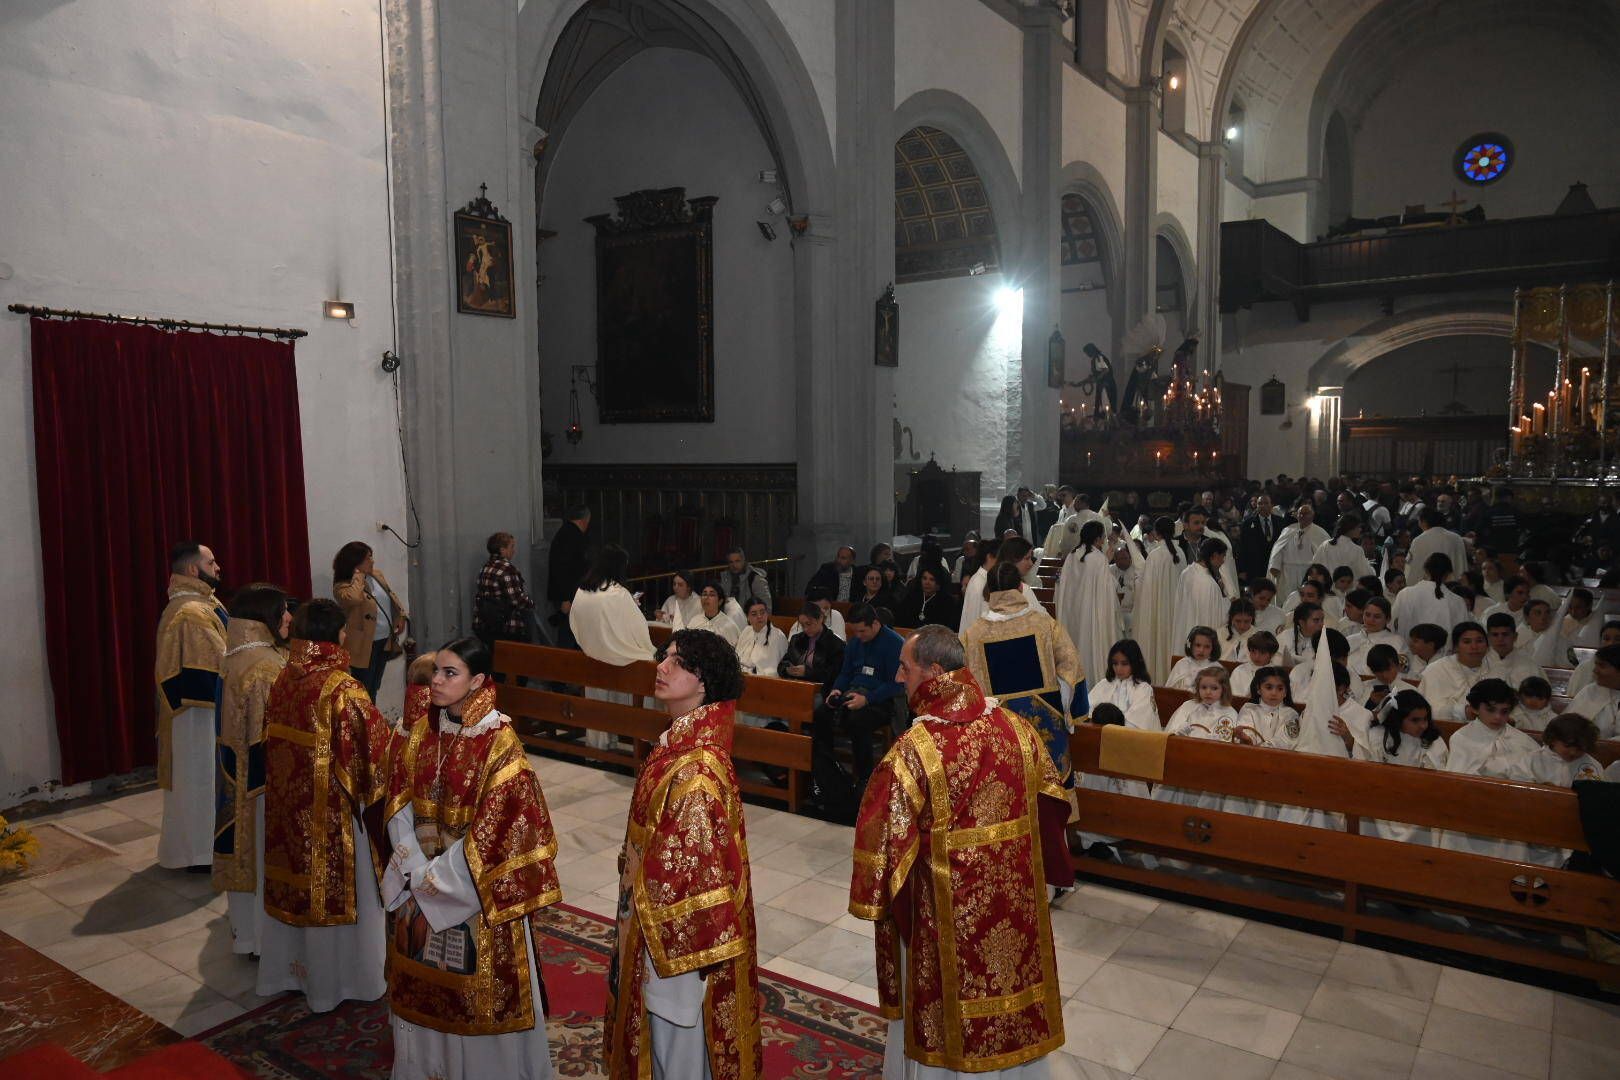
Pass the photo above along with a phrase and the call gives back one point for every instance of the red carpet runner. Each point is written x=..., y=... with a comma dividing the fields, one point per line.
x=807, y=1032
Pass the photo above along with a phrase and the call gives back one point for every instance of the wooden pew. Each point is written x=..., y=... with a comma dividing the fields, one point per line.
x=641, y=722
x=1358, y=868
x=659, y=632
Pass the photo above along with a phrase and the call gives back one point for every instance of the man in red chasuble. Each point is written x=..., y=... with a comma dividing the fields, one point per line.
x=959, y=833
x=683, y=995
x=324, y=744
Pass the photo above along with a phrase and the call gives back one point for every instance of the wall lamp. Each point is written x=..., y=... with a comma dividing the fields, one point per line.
x=339, y=309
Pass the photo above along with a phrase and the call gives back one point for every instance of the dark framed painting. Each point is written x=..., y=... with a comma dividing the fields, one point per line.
x=655, y=309
x=484, y=260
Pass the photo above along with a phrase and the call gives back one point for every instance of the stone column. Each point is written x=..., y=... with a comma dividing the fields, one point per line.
x=1211, y=191
x=1141, y=201
x=841, y=267
x=1032, y=451
x=466, y=380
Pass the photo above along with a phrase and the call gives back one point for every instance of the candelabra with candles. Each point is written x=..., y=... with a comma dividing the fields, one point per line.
x=1572, y=432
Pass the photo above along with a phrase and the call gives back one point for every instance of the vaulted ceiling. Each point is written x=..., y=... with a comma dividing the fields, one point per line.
x=1278, y=56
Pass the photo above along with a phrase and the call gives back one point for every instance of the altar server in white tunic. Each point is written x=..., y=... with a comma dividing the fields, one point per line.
x=1600, y=701
x=1447, y=681
x=1156, y=603
x=682, y=606
x=190, y=657
x=1345, y=549
x=1295, y=549
x=609, y=626
x=1087, y=606
x=1430, y=601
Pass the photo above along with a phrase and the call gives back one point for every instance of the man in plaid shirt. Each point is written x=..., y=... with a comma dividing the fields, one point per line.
x=502, y=604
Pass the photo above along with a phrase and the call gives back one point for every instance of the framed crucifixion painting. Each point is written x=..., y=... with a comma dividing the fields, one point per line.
x=655, y=308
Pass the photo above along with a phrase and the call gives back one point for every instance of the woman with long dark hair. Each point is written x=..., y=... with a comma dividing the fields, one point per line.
x=1007, y=517
x=473, y=856
x=375, y=620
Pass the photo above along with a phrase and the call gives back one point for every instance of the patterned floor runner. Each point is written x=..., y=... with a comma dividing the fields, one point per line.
x=807, y=1032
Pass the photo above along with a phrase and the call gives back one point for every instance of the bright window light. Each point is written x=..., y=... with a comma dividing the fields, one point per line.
x=1232, y=132
x=1009, y=300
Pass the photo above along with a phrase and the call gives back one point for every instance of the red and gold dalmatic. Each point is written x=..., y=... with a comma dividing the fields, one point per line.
x=686, y=899
x=953, y=851
x=324, y=741
x=473, y=781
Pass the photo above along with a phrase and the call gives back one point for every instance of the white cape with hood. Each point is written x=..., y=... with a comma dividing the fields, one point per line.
x=1088, y=609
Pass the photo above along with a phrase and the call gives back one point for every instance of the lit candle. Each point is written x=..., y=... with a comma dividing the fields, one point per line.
x=1539, y=425
x=1586, y=408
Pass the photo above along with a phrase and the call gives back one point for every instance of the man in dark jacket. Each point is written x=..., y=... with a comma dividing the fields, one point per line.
x=566, y=567
x=838, y=576
x=1256, y=537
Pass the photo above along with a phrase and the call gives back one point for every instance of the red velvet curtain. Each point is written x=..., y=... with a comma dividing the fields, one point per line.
x=144, y=437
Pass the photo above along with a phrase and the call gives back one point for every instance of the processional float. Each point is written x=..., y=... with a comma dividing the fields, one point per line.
x=1570, y=430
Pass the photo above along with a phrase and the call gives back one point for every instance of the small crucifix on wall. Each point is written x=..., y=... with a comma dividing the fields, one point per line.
x=1455, y=407
x=1454, y=204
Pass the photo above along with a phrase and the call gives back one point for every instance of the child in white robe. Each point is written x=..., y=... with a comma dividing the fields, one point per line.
x=1269, y=719
x=1488, y=745
x=1128, y=687
x=1447, y=681
x=1403, y=734
x=1297, y=641
x=1386, y=680
x=1503, y=660
x=1582, y=678
x=1425, y=642
x=1200, y=655
x=1355, y=603
x=1565, y=757
x=1268, y=616
x=1374, y=631
x=1600, y=701
x=1338, y=652
x=1534, y=710
x=1208, y=716
x=1239, y=627
x=1262, y=650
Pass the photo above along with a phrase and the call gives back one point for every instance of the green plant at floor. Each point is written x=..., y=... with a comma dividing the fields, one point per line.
x=17, y=847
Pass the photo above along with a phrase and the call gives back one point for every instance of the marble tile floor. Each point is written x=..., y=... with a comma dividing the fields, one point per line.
x=1152, y=989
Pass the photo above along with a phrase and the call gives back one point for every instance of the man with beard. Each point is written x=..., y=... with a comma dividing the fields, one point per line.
x=190, y=656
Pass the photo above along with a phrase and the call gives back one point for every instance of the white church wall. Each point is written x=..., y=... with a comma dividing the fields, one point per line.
x=1093, y=130
x=1235, y=203
x=217, y=162
x=966, y=48
x=960, y=357
x=671, y=118
x=1544, y=88
x=1178, y=190
x=1288, y=212
x=812, y=27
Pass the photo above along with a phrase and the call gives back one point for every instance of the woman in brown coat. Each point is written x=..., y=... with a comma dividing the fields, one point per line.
x=375, y=621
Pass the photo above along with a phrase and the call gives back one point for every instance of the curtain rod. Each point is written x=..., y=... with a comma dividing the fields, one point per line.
x=164, y=323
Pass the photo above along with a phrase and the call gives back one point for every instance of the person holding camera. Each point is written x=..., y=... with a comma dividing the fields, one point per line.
x=862, y=698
